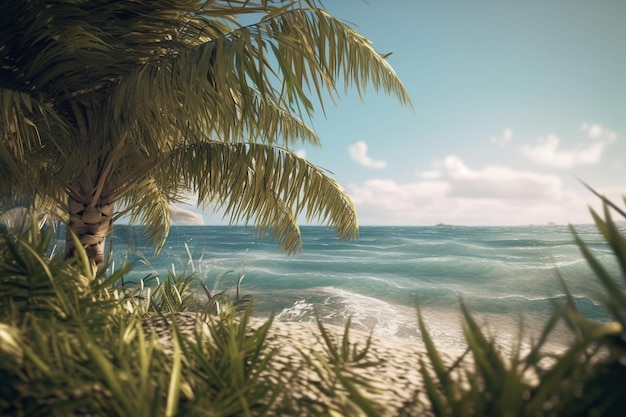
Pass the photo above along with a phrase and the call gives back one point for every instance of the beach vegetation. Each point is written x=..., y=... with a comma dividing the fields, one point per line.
x=587, y=378
x=112, y=109
x=74, y=342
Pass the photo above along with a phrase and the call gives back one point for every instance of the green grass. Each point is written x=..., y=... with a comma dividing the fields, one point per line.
x=72, y=343
x=587, y=379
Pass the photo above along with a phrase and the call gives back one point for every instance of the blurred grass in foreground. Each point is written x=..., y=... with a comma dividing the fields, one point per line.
x=587, y=379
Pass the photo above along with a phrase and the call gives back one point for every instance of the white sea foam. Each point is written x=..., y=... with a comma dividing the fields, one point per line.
x=372, y=315
x=501, y=272
x=300, y=311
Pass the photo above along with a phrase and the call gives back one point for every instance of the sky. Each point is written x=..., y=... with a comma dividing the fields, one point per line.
x=514, y=103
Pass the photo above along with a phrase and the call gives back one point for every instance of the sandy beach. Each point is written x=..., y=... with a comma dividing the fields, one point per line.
x=394, y=380
x=387, y=372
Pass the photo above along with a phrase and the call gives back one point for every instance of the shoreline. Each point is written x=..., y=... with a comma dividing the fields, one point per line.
x=394, y=380
x=393, y=377
x=444, y=327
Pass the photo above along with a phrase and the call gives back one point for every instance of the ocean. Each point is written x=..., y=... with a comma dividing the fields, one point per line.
x=505, y=275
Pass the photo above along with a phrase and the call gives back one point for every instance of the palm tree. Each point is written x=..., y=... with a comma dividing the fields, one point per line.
x=112, y=108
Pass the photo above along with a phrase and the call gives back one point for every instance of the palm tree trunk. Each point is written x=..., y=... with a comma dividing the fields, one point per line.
x=92, y=224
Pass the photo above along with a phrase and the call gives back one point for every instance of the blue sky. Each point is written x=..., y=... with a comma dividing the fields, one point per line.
x=513, y=101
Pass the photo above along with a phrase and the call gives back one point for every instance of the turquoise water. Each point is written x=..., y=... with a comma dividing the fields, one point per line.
x=503, y=274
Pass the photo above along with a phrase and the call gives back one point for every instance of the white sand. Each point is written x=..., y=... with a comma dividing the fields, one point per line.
x=395, y=382
x=393, y=378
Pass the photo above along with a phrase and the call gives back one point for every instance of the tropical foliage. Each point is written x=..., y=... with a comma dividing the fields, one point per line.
x=112, y=108
x=73, y=344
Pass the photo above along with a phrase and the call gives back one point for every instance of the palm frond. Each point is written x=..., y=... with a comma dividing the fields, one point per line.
x=150, y=205
x=96, y=95
x=34, y=137
x=248, y=82
x=268, y=185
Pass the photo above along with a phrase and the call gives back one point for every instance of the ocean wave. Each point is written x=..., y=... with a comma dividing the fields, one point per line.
x=558, y=297
x=336, y=306
x=378, y=279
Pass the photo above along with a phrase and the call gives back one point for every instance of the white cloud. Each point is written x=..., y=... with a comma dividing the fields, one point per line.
x=301, y=153
x=596, y=131
x=455, y=193
x=548, y=151
x=497, y=182
x=430, y=175
x=358, y=152
x=182, y=216
x=503, y=138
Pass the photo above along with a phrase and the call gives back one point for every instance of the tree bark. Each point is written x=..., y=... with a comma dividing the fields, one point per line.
x=92, y=225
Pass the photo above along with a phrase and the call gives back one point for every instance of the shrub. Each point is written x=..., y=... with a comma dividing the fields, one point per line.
x=587, y=379
x=72, y=344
